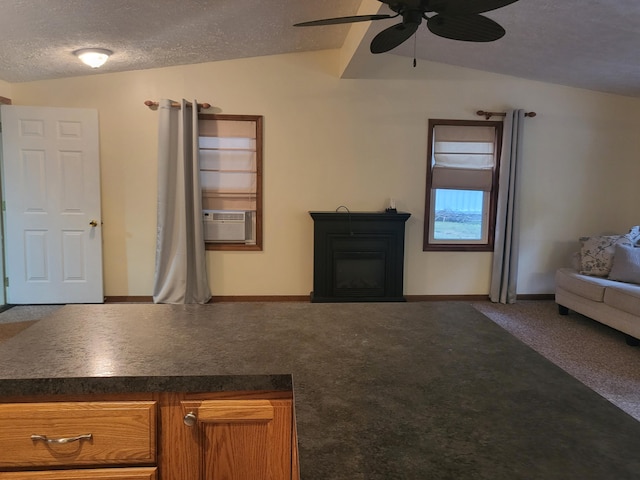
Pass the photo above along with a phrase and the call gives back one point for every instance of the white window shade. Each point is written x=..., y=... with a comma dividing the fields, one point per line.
x=227, y=128
x=228, y=165
x=228, y=182
x=229, y=201
x=228, y=143
x=462, y=178
x=465, y=160
x=464, y=133
x=463, y=157
x=228, y=160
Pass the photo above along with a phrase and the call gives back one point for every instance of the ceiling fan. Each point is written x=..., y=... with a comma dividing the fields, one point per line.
x=453, y=19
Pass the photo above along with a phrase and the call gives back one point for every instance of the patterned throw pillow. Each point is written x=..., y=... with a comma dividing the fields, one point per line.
x=626, y=264
x=634, y=235
x=596, y=253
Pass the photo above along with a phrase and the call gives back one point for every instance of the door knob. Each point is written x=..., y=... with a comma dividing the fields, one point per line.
x=93, y=223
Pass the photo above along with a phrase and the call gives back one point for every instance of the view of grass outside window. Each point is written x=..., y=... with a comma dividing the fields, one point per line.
x=458, y=215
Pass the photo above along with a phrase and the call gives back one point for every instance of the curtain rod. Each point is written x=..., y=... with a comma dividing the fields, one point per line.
x=488, y=115
x=154, y=105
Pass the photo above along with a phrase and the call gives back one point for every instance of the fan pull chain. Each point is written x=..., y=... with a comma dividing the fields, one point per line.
x=414, y=50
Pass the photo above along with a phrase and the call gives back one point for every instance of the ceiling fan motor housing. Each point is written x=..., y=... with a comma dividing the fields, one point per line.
x=412, y=17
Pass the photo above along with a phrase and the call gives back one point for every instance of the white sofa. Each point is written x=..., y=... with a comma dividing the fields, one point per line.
x=604, y=282
x=616, y=304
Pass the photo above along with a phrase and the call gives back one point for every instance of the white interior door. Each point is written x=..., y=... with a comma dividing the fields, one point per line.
x=51, y=176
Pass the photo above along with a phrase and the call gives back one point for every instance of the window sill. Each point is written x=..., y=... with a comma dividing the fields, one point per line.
x=456, y=248
x=233, y=247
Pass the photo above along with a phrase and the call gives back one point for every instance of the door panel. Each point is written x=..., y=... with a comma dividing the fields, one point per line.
x=241, y=439
x=36, y=255
x=52, y=193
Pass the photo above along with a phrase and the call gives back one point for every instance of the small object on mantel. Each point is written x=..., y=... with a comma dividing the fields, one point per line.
x=392, y=206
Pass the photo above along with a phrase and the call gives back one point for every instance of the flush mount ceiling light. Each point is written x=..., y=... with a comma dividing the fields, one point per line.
x=94, y=57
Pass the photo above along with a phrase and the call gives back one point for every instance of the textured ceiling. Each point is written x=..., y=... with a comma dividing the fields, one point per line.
x=584, y=43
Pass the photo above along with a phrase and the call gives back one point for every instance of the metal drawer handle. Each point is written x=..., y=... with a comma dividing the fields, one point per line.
x=86, y=436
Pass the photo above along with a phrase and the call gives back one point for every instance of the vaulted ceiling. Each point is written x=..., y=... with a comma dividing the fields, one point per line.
x=590, y=44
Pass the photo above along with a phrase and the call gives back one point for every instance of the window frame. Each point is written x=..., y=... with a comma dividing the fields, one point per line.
x=258, y=120
x=462, y=245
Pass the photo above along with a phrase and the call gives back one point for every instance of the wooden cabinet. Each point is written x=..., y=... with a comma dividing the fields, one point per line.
x=86, y=474
x=50, y=440
x=239, y=437
x=77, y=434
x=167, y=436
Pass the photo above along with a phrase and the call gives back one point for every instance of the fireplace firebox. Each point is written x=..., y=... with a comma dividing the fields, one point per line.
x=358, y=256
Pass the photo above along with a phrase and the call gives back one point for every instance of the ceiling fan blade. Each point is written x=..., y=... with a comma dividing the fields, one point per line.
x=391, y=37
x=336, y=21
x=467, y=7
x=468, y=28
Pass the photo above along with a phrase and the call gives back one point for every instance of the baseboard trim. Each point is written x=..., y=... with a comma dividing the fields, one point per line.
x=129, y=299
x=259, y=298
x=446, y=298
x=216, y=298
x=306, y=298
x=474, y=298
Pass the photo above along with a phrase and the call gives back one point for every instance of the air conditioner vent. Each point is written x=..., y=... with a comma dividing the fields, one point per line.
x=224, y=226
x=228, y=216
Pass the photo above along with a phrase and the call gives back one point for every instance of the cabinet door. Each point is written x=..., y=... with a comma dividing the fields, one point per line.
x=87, y=474
x=242, y=439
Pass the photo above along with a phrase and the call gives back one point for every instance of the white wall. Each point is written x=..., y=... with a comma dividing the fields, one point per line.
x=5, y=89
x=331, y=142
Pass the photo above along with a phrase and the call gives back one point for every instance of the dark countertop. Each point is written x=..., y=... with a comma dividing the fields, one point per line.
x=382, y=391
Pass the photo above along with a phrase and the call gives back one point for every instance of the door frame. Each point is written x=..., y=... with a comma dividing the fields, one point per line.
x=3, y=288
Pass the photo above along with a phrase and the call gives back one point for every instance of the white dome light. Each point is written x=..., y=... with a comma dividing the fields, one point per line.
x=94, y=57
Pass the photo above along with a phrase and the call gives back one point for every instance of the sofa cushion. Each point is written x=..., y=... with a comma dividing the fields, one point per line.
x=592, y=288
x=596, y=253
x=625, y=297
x=626, y=264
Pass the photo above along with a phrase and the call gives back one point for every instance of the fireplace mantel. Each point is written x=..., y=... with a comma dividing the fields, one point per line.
x=358, y=256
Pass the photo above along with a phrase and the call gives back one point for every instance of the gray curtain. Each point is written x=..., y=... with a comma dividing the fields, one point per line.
x=180, y=273
x=504, y=275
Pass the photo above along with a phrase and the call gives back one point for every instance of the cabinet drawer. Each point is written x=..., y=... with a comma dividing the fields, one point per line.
x=91, y=474
x=78, y=434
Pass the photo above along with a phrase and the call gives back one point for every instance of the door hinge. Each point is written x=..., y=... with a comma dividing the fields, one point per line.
x=4, y=206
x=6, y=281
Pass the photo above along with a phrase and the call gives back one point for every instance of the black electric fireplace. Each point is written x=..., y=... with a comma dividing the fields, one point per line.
x=358, y=256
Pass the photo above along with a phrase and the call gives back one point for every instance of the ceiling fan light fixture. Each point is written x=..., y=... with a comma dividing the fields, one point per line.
x=93, y=57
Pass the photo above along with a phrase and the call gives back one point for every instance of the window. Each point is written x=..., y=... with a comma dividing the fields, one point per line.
x=231, y=181
x=462, y=185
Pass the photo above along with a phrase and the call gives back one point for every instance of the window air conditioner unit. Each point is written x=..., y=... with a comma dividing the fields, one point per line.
x=224, y=226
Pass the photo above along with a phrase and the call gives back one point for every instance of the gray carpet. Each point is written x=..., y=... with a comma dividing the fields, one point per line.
x=24, y=313
x=591, y=352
